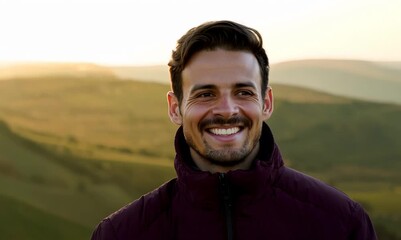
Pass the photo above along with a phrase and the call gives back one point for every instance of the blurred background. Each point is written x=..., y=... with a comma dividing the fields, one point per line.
x=83, y=115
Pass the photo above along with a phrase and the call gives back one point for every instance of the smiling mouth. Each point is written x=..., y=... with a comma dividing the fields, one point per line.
x=224, y=131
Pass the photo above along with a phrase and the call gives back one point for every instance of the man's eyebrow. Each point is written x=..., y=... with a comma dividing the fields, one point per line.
x=245, y=84
x=202, y=87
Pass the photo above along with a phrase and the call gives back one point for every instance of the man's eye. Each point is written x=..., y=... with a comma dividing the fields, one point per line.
x=205, y=95
x=245, y=93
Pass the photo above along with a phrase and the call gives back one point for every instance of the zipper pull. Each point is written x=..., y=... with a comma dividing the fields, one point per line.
x=227, y=202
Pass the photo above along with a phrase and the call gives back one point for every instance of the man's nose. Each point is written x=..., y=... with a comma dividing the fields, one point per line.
x=225, y=107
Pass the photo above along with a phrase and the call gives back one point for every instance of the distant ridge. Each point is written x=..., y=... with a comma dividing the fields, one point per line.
x=42, y=69
x=394, y=64
x=372, y=81
x=155, y=73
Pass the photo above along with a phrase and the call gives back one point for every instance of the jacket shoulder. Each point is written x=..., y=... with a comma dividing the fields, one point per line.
x=309, y=190
x=133, y=220
x=324, y=200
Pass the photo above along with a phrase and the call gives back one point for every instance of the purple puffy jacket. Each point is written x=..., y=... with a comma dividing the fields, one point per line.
x=269, y=201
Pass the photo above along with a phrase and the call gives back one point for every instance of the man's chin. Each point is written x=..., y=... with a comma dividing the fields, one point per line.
x=226, y=158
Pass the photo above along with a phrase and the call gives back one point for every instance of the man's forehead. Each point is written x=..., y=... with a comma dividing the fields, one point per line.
x=221, y=66
x=219, y=58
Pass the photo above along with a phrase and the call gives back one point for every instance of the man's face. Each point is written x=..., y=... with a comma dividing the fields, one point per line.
x=222, y=109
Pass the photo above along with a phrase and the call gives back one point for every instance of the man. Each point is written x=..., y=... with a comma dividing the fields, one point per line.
x=231, y=181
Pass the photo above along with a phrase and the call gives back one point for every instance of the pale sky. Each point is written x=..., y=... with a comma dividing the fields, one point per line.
x=144, y=32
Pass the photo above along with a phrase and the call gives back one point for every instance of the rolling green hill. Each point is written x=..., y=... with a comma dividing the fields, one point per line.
x=65, y=189
x=18, y=216
x=74, y=149
x=80, y=115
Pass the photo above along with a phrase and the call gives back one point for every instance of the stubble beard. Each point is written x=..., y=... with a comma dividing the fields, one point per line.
x=226, y=157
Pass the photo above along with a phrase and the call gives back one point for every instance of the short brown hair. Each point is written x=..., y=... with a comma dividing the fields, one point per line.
x=227, y=35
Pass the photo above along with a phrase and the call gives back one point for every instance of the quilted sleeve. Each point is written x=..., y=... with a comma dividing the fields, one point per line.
x=362, y=228
x=104, y=231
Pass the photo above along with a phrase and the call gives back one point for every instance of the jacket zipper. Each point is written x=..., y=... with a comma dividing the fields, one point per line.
x=227, y=203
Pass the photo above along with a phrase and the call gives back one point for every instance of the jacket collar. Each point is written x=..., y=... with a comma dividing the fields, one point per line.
x=203, y=187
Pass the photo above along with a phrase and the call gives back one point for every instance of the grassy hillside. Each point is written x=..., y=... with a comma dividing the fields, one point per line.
x=66, y=188
x=78, y=115
x=17, y=217
x=75, y=149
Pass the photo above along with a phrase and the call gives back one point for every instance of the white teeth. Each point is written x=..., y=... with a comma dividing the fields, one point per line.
x=222, y=131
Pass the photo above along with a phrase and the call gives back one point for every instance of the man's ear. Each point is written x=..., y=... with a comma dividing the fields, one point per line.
x=174, y=108
x=268, y=105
